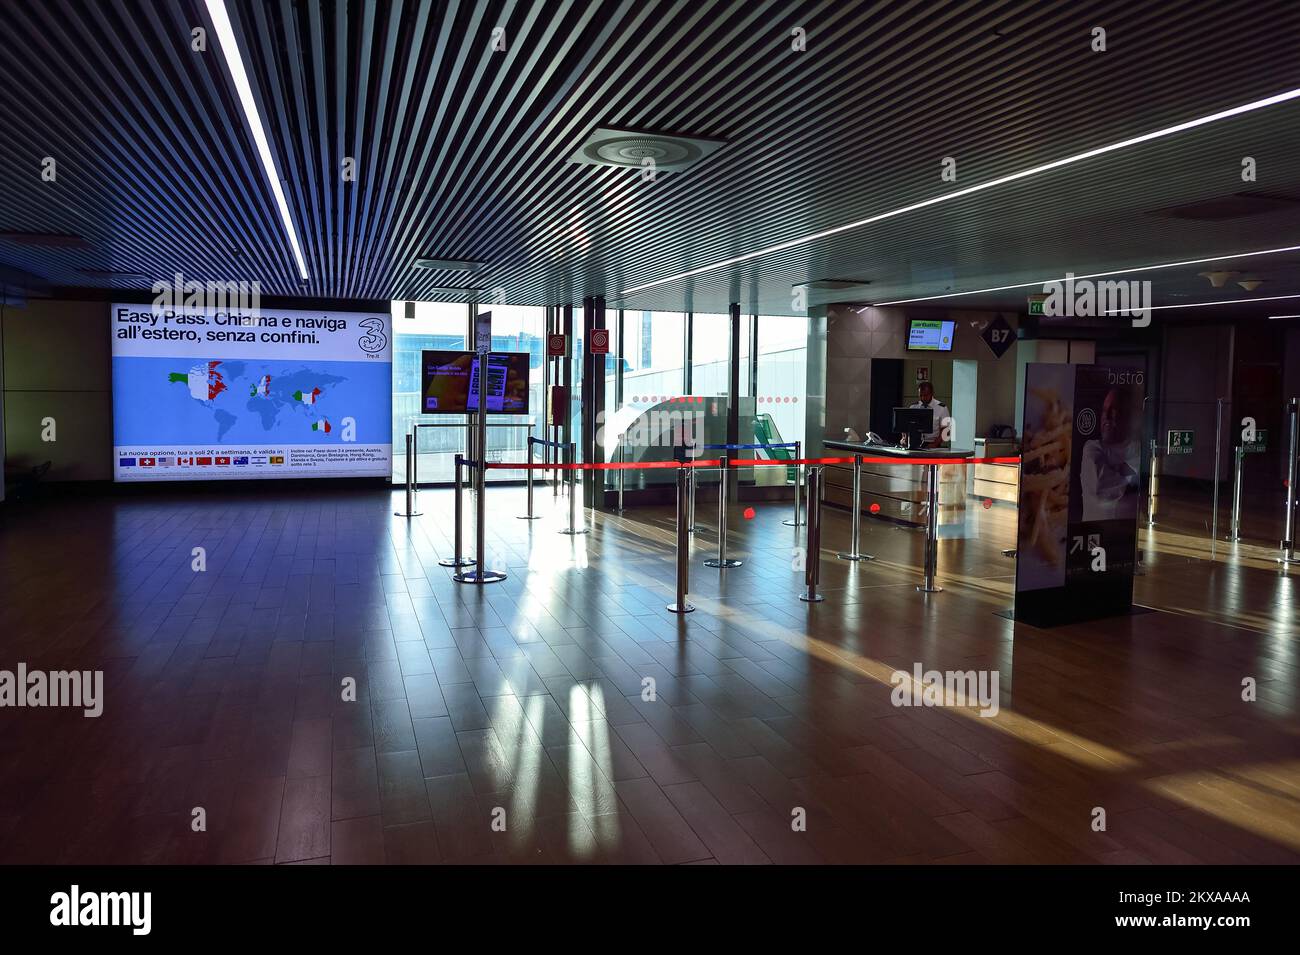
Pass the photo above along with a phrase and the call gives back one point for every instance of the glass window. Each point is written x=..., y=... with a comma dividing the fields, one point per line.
x=655, y=371
x=436, y=325
x=710, y=351
x=782, y=374
x=516, y=328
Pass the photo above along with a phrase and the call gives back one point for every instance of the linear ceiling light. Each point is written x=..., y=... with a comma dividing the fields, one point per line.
x=1093, y=275
x=235, y=63
x=1232, y=301
x=980, y=187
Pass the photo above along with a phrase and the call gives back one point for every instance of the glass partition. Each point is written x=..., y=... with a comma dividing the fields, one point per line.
x=782, y=375
x=436, y=325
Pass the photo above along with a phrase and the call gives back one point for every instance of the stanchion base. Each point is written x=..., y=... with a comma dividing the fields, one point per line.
x=529, y=517
x=793, y=523
x=1288, y=560
x=404, y=514
x=856, y=556
x=922, y=588
x=457, y=562
x=471, y=577
x=811, y=598
x=572, y=531
x=681, y=608
x=714, y=562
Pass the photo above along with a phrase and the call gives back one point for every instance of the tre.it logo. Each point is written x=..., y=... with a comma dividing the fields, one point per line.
x=1087, y=422
x=374, y=340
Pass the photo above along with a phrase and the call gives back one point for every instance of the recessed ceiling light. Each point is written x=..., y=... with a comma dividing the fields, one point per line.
x=1235, y=301
x=980, y=187
x=1095, y=275
x=449, y=265
x=235, y=63
x=48, y=240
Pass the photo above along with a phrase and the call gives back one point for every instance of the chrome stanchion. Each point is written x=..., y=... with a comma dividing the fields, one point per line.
x=690, y=507
x=813, y=556
x=1153, y=482
x=622, y=458
x=854, y=552
x=458, y=559
x=685, y=477
x=528, y=481
x=1214, y=506
x=931, y=533
x=1288, y=543
x=1234, y=532
x=480, y=574
x=573, y=527
x=410, y=478
x=798, y=470
x=721, y=561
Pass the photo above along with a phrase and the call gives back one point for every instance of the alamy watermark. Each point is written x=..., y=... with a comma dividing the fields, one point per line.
x=243, y=299
x=658, y=428
x=1084, y=298
x=946, y=688
x=43, y=688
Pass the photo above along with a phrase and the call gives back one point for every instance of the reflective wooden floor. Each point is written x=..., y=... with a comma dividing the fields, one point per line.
x=522, y=703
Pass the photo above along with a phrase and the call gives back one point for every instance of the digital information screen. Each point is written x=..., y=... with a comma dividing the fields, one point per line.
x=449, y=382
x=211, y=394
x=925, y=335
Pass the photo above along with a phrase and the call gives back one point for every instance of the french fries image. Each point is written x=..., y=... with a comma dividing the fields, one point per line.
x=1045, y=476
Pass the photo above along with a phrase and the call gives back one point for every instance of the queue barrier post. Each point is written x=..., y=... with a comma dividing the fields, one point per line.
x=410, y=481
x=685, y=477
x=573, y=527
x=798, y=470
x=480, y=575
x=528, y=480
x=931, y=532
x=1153, y=483
x=855, y=551
x=722, y=561
x=812, y=557
x=1287, y=556
x=457, y=559
x=1238, y=464
x=690, y=507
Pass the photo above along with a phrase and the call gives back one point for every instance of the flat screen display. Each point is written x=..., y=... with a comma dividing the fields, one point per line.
x=449, y=382
x=230, y=392
x=927, y=335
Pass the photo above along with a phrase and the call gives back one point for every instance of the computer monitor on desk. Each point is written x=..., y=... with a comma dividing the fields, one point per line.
x=915, y=423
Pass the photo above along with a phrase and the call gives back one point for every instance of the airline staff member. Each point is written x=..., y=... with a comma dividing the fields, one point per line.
x=925, y=392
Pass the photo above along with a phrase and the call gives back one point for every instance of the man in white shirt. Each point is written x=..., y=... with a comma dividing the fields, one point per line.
x=925, y=392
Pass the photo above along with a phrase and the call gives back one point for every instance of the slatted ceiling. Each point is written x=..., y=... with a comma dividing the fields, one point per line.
x=462, y=152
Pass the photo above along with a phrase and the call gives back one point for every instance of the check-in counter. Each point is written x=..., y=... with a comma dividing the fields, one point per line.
x=996, y=482
x=900, y=490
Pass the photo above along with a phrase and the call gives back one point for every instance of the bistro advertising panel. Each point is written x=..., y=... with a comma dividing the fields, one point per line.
x=1080, y=486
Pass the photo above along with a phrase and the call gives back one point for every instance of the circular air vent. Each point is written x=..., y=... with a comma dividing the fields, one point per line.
x=634, y=150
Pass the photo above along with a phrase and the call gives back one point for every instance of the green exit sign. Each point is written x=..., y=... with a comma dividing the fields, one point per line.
x=1180, y=442
x=1036, y=304
x=1259, y=445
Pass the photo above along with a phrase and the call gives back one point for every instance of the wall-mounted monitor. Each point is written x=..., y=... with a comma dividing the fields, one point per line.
x=449, y=382
x=926, y=335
